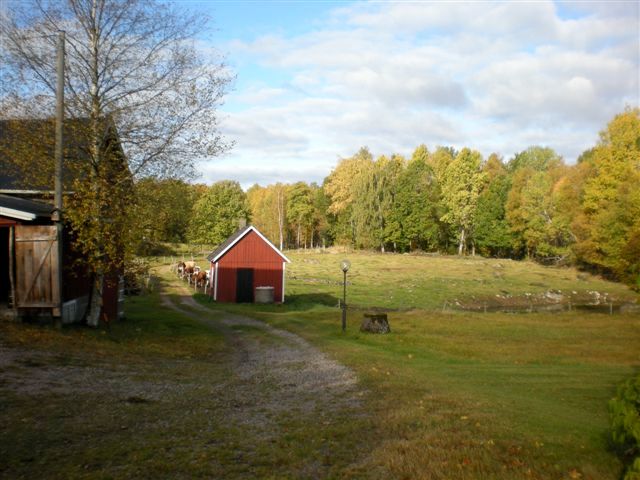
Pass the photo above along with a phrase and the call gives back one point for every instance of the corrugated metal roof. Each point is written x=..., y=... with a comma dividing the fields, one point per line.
x=235, y=238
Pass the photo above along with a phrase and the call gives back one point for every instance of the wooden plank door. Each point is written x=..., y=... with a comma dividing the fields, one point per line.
x=37, y=264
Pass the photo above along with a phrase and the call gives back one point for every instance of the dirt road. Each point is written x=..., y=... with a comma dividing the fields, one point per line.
x=263, y=404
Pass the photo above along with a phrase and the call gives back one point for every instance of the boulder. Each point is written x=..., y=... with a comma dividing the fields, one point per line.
x=375, y=323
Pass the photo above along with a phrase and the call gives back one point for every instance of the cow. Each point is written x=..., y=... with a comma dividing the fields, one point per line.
x=201, y=278
x=188, y=272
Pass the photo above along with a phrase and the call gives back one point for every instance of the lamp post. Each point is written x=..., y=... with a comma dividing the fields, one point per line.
x=344, y=265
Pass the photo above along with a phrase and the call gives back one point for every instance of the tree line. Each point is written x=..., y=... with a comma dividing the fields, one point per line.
x=444, y=200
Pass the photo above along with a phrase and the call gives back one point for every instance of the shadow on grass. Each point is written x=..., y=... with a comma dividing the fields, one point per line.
x=301, y=302
x=306, y=301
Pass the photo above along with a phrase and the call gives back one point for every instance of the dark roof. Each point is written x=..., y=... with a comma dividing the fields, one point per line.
x=228, y=242
x=13, y=207
x=33, y=140
x=236, y=237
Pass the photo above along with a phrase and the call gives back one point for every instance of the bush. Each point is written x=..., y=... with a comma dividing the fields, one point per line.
x=136, y=277
x=624, y=410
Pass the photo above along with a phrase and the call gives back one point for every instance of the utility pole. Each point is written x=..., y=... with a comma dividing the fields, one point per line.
x=59, y=153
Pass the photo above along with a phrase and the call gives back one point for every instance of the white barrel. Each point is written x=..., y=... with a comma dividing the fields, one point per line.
x=264, y=295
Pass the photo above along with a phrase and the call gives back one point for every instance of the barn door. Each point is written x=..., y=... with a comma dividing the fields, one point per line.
x=37, y=266
x=244, y=285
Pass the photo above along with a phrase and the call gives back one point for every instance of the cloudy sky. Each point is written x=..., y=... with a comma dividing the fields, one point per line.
x=318, y=80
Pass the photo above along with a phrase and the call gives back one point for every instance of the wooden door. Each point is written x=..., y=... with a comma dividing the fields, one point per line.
x=37, y=264
x=244, y=285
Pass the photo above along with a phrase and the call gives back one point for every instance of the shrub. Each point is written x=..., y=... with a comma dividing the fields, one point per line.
x=136, y=276
x=624, y=410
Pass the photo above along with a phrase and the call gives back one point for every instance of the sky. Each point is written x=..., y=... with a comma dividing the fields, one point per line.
x=315, y=81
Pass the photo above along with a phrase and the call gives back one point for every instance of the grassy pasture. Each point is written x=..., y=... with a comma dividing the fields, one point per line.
x=451, y=394
x=470, y=395
x=426, y=282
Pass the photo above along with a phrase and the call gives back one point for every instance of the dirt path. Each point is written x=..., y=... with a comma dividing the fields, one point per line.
x=275, y=372
x=261, y=403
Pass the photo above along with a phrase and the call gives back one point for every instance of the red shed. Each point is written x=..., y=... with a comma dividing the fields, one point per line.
x=244, y=262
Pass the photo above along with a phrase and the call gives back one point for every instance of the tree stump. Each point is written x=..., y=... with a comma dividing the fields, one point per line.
x=375, y=323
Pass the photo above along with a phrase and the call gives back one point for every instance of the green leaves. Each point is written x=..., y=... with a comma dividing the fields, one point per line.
x=217, y=213
x=461, y=188
x=624, y=412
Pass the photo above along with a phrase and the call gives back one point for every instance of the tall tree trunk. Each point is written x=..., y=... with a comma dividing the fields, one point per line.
x=462, y=240
x=95, y=305
x=280, y=206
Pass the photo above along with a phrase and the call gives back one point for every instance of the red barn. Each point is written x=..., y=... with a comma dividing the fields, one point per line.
x=244, y=262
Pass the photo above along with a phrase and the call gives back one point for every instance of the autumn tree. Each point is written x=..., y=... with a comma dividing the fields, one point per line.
x=339, y=187
x=536, y=158
x=131, y=66
x=608, y=227
x=461, y=186
x=260, y=210
x=268, y=206
x=374, y=196
x=439, y=160
x=535, y=218
x=300, y=211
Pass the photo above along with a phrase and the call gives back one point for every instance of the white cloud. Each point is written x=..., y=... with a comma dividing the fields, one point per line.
x=493, y=76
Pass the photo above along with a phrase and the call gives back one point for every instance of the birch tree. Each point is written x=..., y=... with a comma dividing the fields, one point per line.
x=461, y=188
x=131, y=67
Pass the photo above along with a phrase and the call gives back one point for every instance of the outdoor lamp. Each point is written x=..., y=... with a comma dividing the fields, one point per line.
x=344, y=265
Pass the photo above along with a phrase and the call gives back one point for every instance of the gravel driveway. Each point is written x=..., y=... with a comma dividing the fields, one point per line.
x=279, y=370
x=268, y=405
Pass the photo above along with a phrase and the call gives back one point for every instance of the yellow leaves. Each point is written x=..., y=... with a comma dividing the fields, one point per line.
x=339, y=184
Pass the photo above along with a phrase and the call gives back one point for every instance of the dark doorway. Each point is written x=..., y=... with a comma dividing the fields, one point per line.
x=5, y=285
x=244, y=285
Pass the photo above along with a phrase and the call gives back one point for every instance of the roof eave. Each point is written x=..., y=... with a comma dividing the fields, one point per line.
x=17, y=214
x=240, y=237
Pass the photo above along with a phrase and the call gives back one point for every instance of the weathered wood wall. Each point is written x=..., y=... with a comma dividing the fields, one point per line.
x=37, y=264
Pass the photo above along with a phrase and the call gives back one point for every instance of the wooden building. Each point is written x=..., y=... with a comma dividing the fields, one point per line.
x=245, y=262
x=29, y=274
x=34, y=281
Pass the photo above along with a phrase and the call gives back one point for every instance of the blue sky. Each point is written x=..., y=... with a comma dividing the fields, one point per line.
x=315, y=81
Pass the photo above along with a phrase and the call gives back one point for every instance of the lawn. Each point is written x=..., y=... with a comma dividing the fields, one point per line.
x=471, y=395
x=450, y=393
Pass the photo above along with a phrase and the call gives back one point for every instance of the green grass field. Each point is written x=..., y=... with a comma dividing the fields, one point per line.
x=451, y=394
x=471, y=395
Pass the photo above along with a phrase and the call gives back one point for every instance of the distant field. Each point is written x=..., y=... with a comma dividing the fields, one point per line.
x=471, y=395
x=432, y=282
